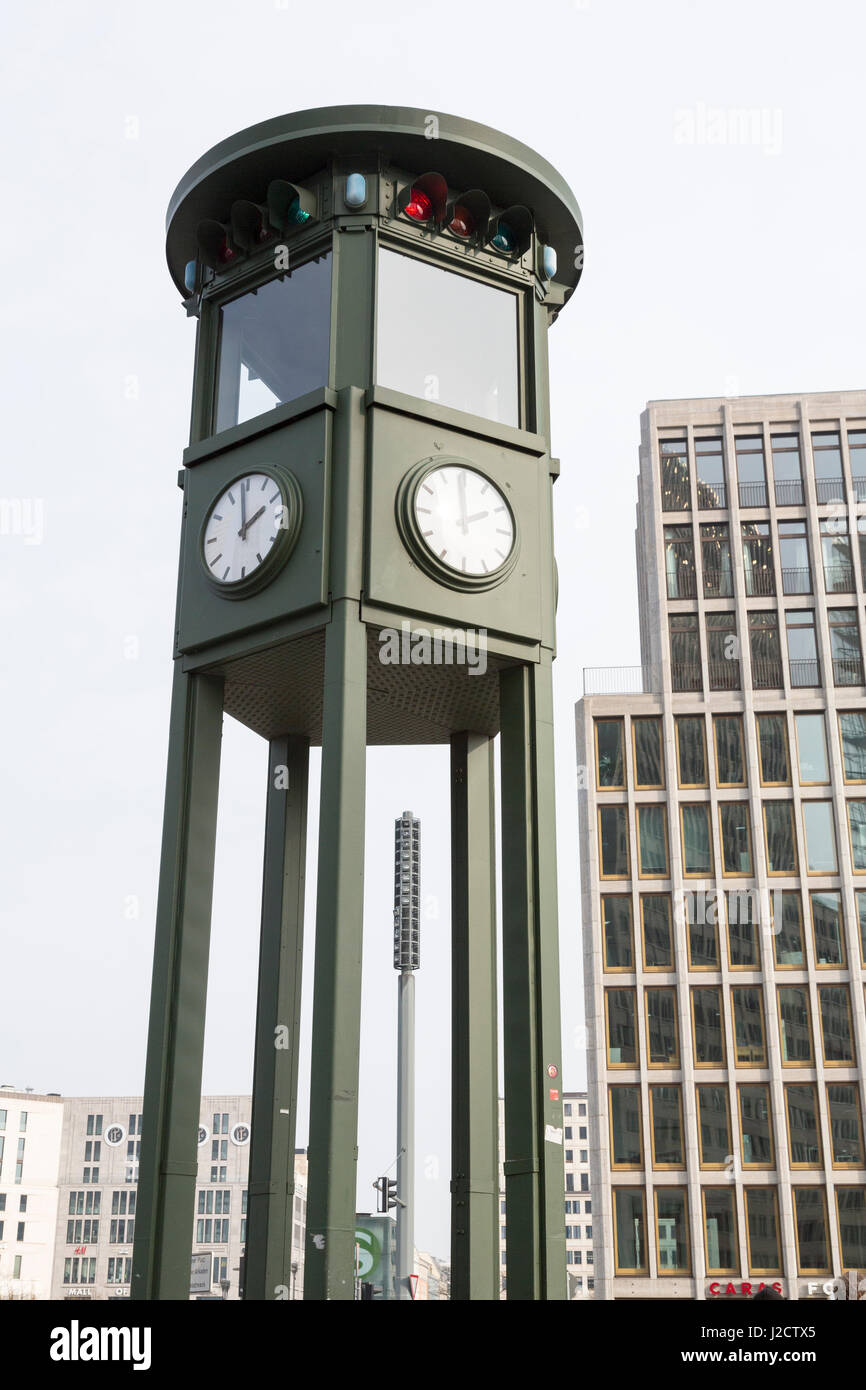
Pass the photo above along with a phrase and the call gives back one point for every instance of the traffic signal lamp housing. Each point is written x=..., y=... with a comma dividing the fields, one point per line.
x=424, y=200
x=387, y=1190
x=468, y=217
x=510, y=232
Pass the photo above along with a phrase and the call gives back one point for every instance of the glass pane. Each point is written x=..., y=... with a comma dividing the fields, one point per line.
x=671, y=1230
x=730, y=767
x=811, y=748
x=466, y=356
x=836, y=1024
x=621, y=1042
x=809, y=1218
x=630, y=1229
x=676, y=494
x=736, y=837
x=787, y=928
x=609, y=752
x=820, y=837
x=657, y=944
x=720, y=1230
x=648, y=771
x=707, y=1017
x=756, y=1126
x=773, y=748
x=616, y=925
x=857, y=828
x=662, y=1028
x=613, y=833
x=692, y=752
x=652, y=840
x=794, y=1024
x=861, y=917
x=742, y=931
x=804, y=1136
x=779, y=827
x=625, y=1126
x=827, y=925
x=714, y=1124
x=274, y=343
x=846, y=1133
x=851, y=1204
x=852, y=728
x=763, y=1230
x=697, y=849
x=703, y=937
x=748, y=1025
x=667, y=1125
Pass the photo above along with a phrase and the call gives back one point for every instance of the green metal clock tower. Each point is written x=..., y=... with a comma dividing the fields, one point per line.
x=366, y=558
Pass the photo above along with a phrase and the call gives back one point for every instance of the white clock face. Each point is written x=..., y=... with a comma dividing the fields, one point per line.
x=242, y=528
x=464, y=519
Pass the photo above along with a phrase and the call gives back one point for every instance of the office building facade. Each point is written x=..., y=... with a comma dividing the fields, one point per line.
x=723, y=844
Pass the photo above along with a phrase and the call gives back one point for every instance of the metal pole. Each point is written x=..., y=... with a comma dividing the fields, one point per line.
x=406, y=1134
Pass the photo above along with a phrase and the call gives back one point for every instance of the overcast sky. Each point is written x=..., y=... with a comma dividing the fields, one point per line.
x=714, y=266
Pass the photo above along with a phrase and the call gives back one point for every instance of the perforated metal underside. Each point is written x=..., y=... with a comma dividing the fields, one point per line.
x=279, y=692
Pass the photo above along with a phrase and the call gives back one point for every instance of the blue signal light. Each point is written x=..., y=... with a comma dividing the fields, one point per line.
x=503, y=239
x=189, y=276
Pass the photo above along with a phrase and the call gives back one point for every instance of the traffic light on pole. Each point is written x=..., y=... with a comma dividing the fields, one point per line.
x=424, y=200
x=468, y=217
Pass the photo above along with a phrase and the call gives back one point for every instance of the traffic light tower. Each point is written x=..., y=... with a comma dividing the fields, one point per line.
x=366, y=558
x=407, y=959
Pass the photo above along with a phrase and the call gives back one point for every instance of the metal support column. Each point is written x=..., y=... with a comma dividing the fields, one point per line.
x=474, y=1088
x=268, y=1261
x=168, y=1165
x=406, y=1133
x=534, y=1167
x=329, y=1263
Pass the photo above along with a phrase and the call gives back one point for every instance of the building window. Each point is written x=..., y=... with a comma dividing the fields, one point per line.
x=581, y=1130
x=609, y=753
x=716, y=560
x=613, y=841
x=743, y=953
x=662, y=1033
x=857, y=454
x=652, y=836
x=751, y=477
x=2, y=1119
x=836, y=554
x=762, y=1227
x=756, y=1126
x=810, y=1219
x=672, y=1231
x=621, y=1035
x=714, y=1126
x=747, y=1002
x=700, y=915
x=857, y=833
x=685, y=652
x=707, y=1026
x=626, y=1144
x=787, y=913
x=795, y=1026
x=666, y=1122
x=691, y=750
x=811, y=749
x=846, y=1127
x=655, y=912
x=697, y=840
x=804, y=1135
x=820, y=833
x=851, y=1211
x=765, y=649
x=720, y=1230
x=263, y=360
x=676, y=491
x=827, y=455
x=786, y=469
x=680, y=562
x=629, y=1222
x=803, y=664
x=723, y=651
x=736, y=838
x=710, y=466
x=649, y=771
x=852, y=735
x=794, y=558
x=836, y=1033
x=860, y=898
x=758, y=559
x=827, y=926
x=779, y=837
x=617, y=932
x=845, y=646
x=773, y=750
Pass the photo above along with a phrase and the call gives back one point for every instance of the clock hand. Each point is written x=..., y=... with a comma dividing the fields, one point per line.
x=243, y=531
x=477, y=516
x=461, y=493
x=243, y=507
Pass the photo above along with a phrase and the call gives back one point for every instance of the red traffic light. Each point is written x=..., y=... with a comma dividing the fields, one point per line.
x=214, y=244
x=249, y=225
x=468, y=215
x=424, y=199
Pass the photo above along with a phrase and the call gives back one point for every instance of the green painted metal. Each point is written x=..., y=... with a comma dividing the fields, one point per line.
x=271, y=1187
x=172, y=1089
x=534, y=1166
x=474, y=1088
x=333, y=1151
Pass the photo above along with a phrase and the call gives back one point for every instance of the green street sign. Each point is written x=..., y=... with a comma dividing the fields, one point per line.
x=368, y=1253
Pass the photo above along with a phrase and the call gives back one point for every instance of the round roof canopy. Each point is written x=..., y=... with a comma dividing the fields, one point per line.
x=298, y=145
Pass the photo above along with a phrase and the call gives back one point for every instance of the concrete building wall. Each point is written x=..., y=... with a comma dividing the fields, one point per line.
x=30, y=1136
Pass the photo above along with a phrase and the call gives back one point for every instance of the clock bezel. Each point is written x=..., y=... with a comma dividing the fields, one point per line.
x=287, y=536
x=410, y=531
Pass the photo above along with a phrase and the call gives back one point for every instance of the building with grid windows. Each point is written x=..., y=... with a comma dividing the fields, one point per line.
x=723, y=844
x=577, y=1198
x=31, y=1134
